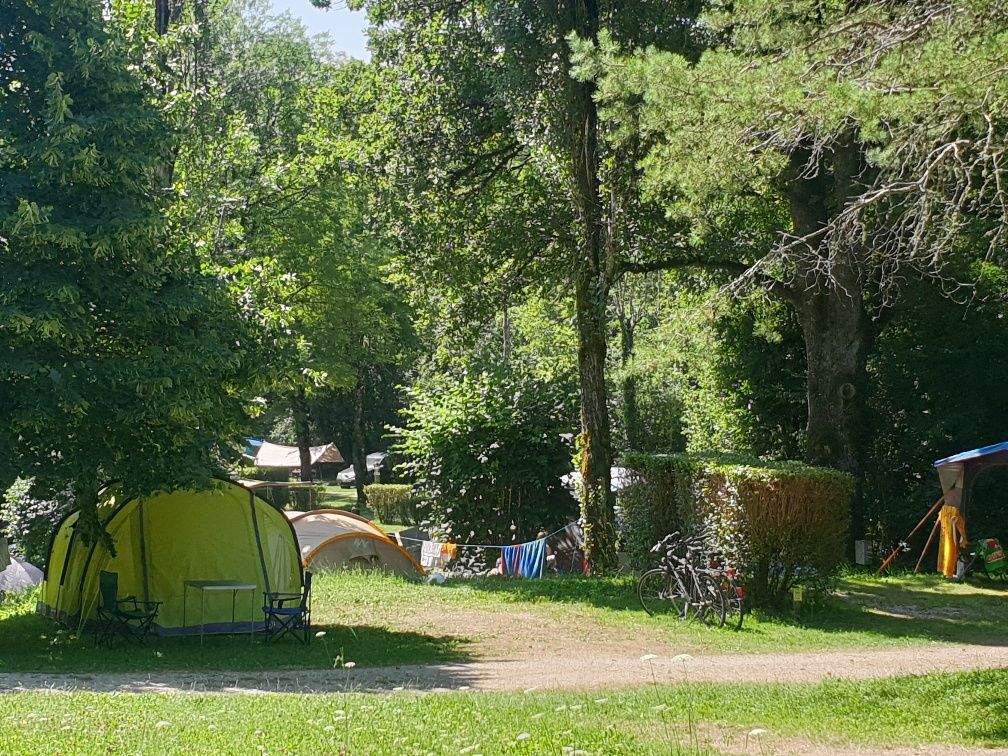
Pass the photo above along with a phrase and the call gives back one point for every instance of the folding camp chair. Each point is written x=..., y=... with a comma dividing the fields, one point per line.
x=282, y=619
x=128, y=617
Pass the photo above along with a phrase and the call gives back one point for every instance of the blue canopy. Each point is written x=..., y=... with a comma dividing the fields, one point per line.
x=983, y=451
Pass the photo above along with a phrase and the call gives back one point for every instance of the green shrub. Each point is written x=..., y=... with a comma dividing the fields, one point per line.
x=487, y=454
x=273, y=474
x=392, y=502
x=782, y=523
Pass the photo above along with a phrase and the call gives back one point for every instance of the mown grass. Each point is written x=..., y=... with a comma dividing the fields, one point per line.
x=374, y=619
x=967, y=709
x=31, y=642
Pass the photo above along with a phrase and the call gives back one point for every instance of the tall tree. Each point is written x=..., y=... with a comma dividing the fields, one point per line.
x=120, y=359
x=854, y=132
x=490, y=131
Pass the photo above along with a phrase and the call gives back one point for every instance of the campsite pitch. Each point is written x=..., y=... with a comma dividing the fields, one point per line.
x=374, y=620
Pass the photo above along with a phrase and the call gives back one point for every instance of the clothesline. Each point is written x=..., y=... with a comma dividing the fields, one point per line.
x=483, y=545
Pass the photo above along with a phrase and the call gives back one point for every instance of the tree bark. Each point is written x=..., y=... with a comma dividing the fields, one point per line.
x=836, y=327
x=592, y=283
x=359, y=453
x=299, y=411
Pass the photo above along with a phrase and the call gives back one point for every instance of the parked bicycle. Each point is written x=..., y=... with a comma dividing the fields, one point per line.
x=693, y=583
x=681, y=583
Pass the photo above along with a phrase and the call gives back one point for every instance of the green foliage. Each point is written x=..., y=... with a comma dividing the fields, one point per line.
x=487, y=455
x=392, y=502
x=254, y=472
x=31, y=522
x=119, y=358
x=782, y=523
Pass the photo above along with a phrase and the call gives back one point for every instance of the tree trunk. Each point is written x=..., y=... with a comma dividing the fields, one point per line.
x=592, y=282
x=299, y=410
x=836, y=332
x=836, y=327
x=631, y=415
x=359, y=453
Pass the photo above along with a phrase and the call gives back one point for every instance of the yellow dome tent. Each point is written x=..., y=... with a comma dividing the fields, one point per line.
x=225, y=532
x=335, y=538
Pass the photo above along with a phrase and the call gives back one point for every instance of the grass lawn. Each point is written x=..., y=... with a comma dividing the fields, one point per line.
x=375, y=619
x=964, y=709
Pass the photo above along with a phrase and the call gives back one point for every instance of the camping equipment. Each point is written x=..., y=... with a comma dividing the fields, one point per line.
x=294, y=620
x=127, y=617
x=19, y=576
x=226, y=586
x=157, y=543
x=335, y=538
x=957, y=475
x=265, y=454
x=989, y=557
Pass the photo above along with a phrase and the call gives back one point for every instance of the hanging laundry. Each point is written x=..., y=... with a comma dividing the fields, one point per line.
x=430, y=554
x=448, y=552
x=525, y=560
x=510, y=559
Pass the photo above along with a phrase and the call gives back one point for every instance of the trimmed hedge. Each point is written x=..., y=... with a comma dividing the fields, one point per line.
x=783, y=523
x=392, y=502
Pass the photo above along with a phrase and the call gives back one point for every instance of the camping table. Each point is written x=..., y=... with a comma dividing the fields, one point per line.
x=219, y=585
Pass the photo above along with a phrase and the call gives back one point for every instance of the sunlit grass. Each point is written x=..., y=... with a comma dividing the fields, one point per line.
x=376, y=619
x=965, y=709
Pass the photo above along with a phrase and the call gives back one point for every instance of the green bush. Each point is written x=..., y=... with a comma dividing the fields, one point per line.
x=392, y=502
x=487, y=453
x=782, y=523
x=272, y=474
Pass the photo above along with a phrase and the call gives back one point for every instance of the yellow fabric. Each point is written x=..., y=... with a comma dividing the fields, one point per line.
x=953, y=535
x=163, y=540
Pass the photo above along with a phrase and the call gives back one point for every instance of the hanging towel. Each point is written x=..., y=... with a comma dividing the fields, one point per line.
x=448, y=552
x=430, y=554
x=533, y=559
x=524, y=559
x=511, y=559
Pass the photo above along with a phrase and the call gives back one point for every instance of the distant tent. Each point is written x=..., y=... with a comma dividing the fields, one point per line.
x=222, y=533
x=19, y=576
x=275, y=455
x=335, y=539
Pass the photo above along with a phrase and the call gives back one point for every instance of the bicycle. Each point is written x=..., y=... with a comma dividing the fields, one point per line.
x=677, y=584
x=732, y=588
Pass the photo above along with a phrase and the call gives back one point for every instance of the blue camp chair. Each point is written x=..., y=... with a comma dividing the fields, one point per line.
x=285, y=618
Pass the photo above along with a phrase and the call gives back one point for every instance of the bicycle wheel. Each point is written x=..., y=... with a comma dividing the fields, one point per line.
x=708, y=601
x=733, y=602
x=657, y=593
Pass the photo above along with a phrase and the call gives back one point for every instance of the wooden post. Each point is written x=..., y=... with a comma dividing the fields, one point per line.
x=927, y=545
x=892, y=557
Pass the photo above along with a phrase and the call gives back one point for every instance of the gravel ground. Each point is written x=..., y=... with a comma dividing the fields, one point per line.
x=546, y=672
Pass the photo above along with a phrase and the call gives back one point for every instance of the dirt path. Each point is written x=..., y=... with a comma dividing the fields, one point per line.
x=583, y=672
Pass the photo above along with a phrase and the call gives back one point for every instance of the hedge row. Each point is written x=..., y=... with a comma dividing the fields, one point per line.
x=392, y=502
x=782, y=523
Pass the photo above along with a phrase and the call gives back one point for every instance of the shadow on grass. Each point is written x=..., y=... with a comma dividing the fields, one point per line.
x=924, y=607
x=30, y=643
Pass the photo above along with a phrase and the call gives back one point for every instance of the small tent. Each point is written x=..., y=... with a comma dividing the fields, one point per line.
x=334, y=538
x=159, y=542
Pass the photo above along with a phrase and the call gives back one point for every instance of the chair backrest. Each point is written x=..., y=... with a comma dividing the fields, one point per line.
x=108, y=584
x=306, y=593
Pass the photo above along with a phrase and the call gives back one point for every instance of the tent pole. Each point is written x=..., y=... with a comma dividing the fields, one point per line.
x=895, y=552
x=927, y=546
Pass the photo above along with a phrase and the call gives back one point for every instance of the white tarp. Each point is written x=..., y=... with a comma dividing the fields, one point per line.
x=275, y=455
x=19, y=576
